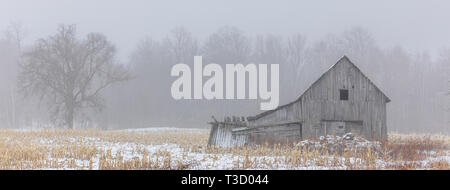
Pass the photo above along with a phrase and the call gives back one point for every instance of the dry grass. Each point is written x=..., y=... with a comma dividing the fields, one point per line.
x=95, y=149
x=76, y=149
x=409, y=151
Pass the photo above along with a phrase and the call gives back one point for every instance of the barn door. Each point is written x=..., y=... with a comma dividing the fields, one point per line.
x=339, y=128
x=291, y=132
x=354, y=127
x=335, y=128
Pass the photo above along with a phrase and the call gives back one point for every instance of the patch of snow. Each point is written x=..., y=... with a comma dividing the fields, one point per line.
x=164, y=129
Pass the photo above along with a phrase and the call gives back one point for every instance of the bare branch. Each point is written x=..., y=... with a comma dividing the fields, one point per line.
x=70, y=73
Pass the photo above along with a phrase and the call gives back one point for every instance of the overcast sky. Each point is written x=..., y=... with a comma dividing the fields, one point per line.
x=419, y=25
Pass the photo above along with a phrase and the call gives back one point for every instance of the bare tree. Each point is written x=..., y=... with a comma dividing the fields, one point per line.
x=182, y=45
x=296, y=52
x=270, y=49
x=228, y=45
x=12, y=42
x=16, y=33
x=69, y=72
x=296, y=59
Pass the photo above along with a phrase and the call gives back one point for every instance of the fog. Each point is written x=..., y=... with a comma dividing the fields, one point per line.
x=402, y=46
x=415, y=24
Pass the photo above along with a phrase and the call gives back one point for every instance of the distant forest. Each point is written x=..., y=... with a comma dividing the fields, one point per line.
x=416, y=82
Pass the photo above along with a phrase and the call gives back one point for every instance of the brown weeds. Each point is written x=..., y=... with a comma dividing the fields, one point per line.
x=125, y=150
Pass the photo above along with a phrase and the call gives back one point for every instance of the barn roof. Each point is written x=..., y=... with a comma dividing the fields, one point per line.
x=310, y=86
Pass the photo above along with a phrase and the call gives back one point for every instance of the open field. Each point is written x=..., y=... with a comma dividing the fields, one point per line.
x=169, y=148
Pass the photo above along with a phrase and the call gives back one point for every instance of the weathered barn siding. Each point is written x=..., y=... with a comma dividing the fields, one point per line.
x=317, y=112
x=221, y=134
x=237, y=133
x=320, y=104
x=283, y=132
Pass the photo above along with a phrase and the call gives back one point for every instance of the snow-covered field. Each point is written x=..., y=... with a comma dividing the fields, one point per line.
x=178, y=148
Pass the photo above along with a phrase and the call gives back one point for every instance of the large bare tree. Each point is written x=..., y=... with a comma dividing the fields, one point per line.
x=70, y=73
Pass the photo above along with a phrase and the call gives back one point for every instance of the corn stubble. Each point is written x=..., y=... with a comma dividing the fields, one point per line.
x=96, y=149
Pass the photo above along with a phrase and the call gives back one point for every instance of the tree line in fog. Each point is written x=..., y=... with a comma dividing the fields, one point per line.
x=137, y=93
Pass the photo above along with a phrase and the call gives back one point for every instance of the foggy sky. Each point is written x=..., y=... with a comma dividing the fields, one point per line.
x=416, y=25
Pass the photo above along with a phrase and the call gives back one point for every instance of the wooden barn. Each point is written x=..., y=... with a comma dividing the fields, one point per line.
x=342, y=100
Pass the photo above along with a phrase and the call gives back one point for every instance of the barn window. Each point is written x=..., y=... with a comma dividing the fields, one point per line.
x=343, y=94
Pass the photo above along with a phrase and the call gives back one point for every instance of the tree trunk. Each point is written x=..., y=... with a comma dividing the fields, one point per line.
x=70, y=116
x=13, y=107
